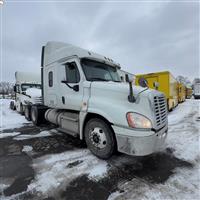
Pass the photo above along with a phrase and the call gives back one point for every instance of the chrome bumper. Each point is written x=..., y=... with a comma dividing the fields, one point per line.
x=139, y=142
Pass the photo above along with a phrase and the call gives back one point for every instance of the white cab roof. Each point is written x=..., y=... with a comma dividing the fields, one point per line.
x=58, y=51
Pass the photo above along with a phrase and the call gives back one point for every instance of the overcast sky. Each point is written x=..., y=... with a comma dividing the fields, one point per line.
x=142, y=37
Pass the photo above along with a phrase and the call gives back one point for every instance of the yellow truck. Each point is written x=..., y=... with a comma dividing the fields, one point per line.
x=163, y=82
x=181, y=92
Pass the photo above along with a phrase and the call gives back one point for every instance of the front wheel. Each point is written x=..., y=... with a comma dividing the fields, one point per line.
x=99, y=138
x=12, y=105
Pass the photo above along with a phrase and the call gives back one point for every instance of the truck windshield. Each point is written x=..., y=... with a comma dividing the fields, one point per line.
x=97, y=71
x=26, y=86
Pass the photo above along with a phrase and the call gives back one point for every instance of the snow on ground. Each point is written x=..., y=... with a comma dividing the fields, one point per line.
x=183, y=185
x=54, y=172
x=8, y=118
x=184, y=134
x=183, y=110
x=4, y=135
x=27, y=148
x=26, y=137
x=183, y=137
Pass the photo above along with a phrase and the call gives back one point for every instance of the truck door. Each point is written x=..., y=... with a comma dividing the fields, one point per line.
x=71, y=87
x=151, y=81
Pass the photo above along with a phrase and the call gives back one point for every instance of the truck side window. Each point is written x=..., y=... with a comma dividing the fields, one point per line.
x=50, y=79
x=72, y=73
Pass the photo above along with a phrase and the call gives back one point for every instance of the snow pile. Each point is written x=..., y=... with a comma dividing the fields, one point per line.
x=9, y=119
x=33, y=92
x=26, y=137
x=54, y=172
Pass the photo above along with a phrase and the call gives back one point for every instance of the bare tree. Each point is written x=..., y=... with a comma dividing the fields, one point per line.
x=6, y=88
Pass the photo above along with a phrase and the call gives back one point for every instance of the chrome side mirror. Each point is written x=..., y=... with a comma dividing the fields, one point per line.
x=155, y=85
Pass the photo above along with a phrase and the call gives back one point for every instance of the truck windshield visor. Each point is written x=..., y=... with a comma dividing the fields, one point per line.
x=97, y=71
x=26, y=86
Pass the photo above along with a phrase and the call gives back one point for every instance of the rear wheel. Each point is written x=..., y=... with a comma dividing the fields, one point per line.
x=99, y=138
x=27, y=112
x=37, y=115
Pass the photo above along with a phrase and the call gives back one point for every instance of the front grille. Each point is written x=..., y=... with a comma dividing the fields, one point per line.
x=160, y=108
x=38, y=100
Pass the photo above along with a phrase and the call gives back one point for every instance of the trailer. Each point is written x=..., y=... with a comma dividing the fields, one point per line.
x=83, y=95
x=181, y=92
x=163, y=82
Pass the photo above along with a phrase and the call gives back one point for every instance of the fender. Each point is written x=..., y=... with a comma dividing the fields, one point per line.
x=83, y=115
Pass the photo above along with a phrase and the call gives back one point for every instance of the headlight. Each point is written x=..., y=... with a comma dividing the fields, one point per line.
x=136, y=120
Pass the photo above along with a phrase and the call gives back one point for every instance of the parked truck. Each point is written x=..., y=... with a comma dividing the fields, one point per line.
x=27, y=91
x=189, y=92
x=163, y=82
x=181, y=92
x=83, y=95
x=196, y=88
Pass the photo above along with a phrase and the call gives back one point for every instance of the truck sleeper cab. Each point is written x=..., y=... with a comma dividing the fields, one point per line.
x=83, y=95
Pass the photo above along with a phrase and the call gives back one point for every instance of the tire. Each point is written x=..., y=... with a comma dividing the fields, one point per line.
x=99, y=138
x=21, y=110
x=27, y=112
x=12, y=105
x=37, y=116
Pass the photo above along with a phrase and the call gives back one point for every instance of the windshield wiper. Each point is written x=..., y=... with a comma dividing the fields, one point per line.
x=98, y=79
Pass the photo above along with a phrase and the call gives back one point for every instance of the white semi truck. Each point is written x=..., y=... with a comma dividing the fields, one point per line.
x=83, y=95
x=27, y=92
x=196, y=88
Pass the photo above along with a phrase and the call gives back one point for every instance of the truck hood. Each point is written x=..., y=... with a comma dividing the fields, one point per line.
x=110, y=100
x=33, y=92
x=117, y=87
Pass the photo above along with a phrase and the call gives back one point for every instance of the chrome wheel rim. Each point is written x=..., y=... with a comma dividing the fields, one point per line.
x=98, y=138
